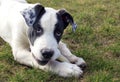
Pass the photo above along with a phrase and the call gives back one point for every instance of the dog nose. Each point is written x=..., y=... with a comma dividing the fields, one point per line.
x=47, y=53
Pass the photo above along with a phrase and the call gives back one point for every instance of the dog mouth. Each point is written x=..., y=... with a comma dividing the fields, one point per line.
x=41, y=62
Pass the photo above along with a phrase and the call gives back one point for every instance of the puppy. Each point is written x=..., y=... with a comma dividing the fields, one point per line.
x=34, y=33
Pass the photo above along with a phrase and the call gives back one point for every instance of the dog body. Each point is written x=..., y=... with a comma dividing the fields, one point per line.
x=34, y=34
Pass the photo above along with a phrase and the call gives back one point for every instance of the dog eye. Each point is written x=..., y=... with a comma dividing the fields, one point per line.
x=58, y=33
x=39, y=31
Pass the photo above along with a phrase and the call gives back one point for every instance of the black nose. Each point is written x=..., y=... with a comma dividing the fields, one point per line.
x=47, y=53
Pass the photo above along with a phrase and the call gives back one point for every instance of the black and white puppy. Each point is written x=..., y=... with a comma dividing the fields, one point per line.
x=34, y=34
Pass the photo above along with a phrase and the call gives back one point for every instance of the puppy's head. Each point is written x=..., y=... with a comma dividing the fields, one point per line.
x=45, y=29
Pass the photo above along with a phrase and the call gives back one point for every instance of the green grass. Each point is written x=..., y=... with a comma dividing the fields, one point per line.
x=97, y=40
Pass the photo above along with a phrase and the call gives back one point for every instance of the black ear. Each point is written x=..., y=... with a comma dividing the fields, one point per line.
x=33, y=14
x=67, y=19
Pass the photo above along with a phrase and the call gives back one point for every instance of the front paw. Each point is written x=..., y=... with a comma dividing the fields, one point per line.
x=69, y=70
x=80, y=62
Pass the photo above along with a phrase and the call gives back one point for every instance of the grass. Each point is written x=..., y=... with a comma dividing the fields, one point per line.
x=97, y=40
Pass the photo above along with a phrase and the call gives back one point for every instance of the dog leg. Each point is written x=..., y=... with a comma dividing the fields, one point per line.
x=25, y=57
x=63, y=58
x=61, y=68
x=72, y=58
x=65, y=69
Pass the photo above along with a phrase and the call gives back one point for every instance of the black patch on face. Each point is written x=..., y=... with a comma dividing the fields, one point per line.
x=36, y=30
x=59, y=28
x=64, y=18
x=33, y=33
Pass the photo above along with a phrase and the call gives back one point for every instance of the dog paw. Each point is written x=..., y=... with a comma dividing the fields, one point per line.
x=79, y=62
x=69, y=70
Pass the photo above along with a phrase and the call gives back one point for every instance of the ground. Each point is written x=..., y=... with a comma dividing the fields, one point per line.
x=97, y=40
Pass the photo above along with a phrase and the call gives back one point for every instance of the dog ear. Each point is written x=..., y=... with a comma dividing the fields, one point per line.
x=67, y=19
x=33, y=14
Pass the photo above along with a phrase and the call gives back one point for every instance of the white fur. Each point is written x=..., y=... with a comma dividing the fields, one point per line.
x=13, y=29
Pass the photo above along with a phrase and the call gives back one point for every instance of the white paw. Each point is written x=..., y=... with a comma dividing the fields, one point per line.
x=69, y=70
x=79, y=62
